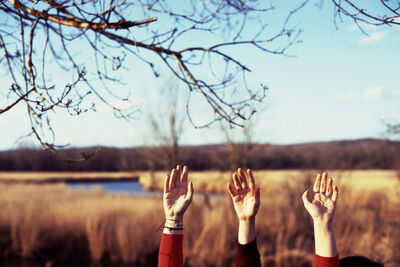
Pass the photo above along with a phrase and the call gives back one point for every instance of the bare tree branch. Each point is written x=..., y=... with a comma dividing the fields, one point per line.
x=76, y=22
x=373, y=15
x=73, y=55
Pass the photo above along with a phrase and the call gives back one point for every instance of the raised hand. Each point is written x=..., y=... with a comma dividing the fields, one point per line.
x=178, y=193
x=245, y=195
x=322, y=209
x=323, y=203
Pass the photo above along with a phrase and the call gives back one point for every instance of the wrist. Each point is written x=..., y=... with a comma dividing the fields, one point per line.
x=322, y=224
x=175, y=223
x=174, y=217
x=173, y=226
x=248, y=220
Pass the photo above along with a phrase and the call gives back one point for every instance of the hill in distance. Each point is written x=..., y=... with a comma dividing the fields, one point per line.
x=343, y=154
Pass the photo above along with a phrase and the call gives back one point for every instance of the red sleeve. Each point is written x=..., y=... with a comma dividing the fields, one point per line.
x=326, y=261
x=170, y=253
x=247, y=255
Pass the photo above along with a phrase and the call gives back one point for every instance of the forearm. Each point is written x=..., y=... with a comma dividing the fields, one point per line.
x=170, y=253
x=325, y=244
x=247, y=231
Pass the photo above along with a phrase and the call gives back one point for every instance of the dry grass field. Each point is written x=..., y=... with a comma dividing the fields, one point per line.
x=215, y=181
x=55, y=223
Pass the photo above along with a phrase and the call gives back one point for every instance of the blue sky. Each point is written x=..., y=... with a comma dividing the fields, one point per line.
x=341, y=84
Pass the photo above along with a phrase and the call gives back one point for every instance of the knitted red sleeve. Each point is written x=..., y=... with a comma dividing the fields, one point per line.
x=170, y=253
x=326, y=261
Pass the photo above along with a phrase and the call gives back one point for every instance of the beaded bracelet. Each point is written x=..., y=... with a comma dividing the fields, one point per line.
x=176, y=224
x=173, y=228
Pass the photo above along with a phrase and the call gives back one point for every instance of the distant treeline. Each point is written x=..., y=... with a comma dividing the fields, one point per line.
x=356, y=154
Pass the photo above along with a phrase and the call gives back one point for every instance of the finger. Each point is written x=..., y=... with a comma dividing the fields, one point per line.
x=335, y=193
x=322, y=189
x=172, y=181
x=306, y=200
x=238, y=185
x=317, y=183
x=190, y=191
x=178, y=176
x=257, y=195
x=252, y=182
x=329, y=189
x=243, y=180
x=166, y=184
x=231, y=191
x=185, y=174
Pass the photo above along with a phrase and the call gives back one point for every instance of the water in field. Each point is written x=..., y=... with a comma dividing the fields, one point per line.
x=129, y=186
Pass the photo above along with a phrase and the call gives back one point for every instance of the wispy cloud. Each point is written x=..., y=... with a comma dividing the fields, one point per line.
x=124, y=105
x=395, y=93
x=345, y=97
x=366, y=27
x=373, y=38
x=373, y=93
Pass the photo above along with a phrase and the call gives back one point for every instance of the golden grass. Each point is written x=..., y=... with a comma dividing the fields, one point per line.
x=215, y=181
x=54, y=223
x=51, y=222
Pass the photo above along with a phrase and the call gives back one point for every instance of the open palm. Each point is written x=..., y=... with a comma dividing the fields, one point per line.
x=177, y=193
x=245, y=195
x=323, y=204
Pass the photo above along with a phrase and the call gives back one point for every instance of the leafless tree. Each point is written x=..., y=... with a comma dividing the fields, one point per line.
x=232, y=146
x=249, y=146
x=382, y=12
x=393, y=129
x=168, y=125
x=72, y=55
x=241, y=143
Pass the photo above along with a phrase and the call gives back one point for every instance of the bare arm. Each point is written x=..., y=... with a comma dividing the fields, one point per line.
x=322, y=208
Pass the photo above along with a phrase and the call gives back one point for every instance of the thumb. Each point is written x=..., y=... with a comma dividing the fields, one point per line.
x=306, y=201
x=258, y=194
x=189, y=194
